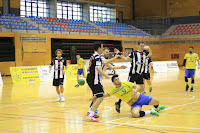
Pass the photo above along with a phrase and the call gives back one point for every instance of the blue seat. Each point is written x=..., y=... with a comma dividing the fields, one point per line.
x=7, y=27
x=21, y=28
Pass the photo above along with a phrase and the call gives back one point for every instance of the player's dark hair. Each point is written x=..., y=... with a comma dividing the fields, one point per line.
x=97, y=45
x=191, y=47
x=59, y=50
x=114, y=76
x=140, y=43
x=79, y=54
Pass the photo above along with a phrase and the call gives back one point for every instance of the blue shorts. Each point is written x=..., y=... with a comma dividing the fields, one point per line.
x=142, y=100
x=100, y=76
x=80, y=71
x=189, y=73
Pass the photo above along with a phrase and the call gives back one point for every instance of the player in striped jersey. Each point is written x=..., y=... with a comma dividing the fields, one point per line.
x=59, y=72
x=146, y=73
x=137, y=59
x=95, y=68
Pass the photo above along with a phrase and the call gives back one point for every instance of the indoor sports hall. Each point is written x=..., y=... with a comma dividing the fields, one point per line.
x=34, y=32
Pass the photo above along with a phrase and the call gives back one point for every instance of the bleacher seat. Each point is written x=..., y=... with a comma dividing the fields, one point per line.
x=186, y=29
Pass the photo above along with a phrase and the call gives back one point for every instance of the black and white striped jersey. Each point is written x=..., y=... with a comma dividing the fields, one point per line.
x=95, y=61
x=138, y=61
x=58, y=67
x=147, y=63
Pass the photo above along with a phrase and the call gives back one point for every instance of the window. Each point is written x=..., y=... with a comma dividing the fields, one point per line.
x=34, y=8
x=100, y=13
x=69, y=10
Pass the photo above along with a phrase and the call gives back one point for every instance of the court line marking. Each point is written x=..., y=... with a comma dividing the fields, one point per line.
x=120, y=124
x=164, y=126
x=39, y=102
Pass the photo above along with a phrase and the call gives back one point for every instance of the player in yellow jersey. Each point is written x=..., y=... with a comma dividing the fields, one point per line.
x=129, y=92
x=190, y=60
x=80, y=69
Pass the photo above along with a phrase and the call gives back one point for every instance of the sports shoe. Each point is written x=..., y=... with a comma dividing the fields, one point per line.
x=96, y=111
x=62, y=99
x=117, y=107
x=77, y=85
x=187, y=86
x=150, y=89
x=95, y=115
x=191, y=90
x=153, y=112
x=58, y=100
x=160, y=108
x=92, y=119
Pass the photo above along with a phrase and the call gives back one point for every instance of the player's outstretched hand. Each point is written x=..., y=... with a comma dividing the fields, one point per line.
x=146, y=48
x=123, y=67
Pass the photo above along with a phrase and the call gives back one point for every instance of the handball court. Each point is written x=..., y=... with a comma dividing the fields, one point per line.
x=32, y=108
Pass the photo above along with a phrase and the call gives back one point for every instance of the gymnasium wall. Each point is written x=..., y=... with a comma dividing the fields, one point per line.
x=1, y=6
x=145, y=8
x=15, y=7
x=39, y=53
x=182, y=8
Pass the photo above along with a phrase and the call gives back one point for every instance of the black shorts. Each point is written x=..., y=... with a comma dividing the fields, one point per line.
x=57, y=82
x=146, y=76
x=96, y=89
x=136, y=78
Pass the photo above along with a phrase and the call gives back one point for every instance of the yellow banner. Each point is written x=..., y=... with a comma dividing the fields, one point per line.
x=72, y=72
x=24, y=74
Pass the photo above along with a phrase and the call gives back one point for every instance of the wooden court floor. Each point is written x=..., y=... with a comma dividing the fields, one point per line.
x=32, y=108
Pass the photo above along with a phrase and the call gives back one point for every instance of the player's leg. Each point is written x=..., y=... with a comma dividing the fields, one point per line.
x=61, y=89
x=61, y=93
x=84, y=75
x=192, y=79
x=56, y=84
x=148, y=81
x=137, y=112
x=155, y=103
x=187, y=74
x=99, y=94
x=78, y=73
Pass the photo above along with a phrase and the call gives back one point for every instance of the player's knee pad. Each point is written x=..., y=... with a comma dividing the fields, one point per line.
x=186, y=79
x=142, y=113
x=192, y=81
x=99, y=95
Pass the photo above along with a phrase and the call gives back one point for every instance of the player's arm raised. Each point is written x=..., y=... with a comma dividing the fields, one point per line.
x=125, y=58
x=106, y=61
x=149, y=50
x=116, y=67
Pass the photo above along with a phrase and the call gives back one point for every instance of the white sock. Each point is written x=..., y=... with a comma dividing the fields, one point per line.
x=147, y=113
x=91, y=114
x=90, y=109
x=150, y=86
x=60, y=95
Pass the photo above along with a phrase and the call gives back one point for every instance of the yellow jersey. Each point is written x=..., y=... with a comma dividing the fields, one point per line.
x=80, y=63
x=124, y=92
x=191, y=60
